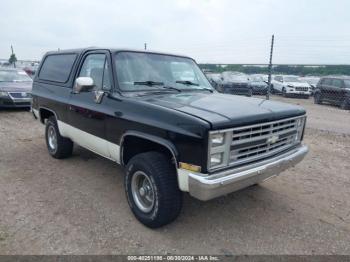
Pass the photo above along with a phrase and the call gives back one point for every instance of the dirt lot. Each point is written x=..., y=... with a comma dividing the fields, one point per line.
x=78, y=206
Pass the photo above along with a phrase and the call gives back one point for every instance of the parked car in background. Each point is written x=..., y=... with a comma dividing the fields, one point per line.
x=291, y=86
x=258, y=85
x=311, y=80
x=31, y=70
x=214, y=79
x=15, y=88
x=235, y=83
x=334, y=90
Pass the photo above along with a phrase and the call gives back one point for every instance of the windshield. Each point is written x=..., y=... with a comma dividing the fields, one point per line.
x=14, y=76
x=291, y=79
x=234, y=77
x=256, y=79
x=145, y=71
x=215, y=77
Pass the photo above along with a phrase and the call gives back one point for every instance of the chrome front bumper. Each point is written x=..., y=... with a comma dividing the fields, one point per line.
x=206, y=187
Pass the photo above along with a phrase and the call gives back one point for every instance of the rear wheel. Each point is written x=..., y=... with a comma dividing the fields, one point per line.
x=152, y=189
x=58, y=146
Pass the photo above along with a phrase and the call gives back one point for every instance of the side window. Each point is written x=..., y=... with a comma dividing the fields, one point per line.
x=57, y=68
x=94, y=67
x=337, y=83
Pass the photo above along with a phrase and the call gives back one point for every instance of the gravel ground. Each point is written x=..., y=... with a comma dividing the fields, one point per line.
x=78, y=205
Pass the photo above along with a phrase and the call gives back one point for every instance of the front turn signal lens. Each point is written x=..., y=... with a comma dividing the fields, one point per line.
x=190, y=167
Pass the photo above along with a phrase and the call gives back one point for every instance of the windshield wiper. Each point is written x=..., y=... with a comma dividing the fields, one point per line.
x=153, y=83
x=190, y=83
x=149, y=83
x=186, y=82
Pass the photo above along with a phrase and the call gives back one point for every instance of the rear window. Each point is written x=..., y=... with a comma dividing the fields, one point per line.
x=57, y=68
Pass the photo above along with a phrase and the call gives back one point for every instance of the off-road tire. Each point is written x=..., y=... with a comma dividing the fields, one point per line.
x=64, y=146
x=167, y=196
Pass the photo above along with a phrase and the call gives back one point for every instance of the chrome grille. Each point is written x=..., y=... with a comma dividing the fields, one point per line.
x=259, y=141
x=302, y=89
x=20, y=95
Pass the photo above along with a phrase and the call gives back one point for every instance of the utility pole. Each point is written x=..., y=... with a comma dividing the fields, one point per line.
x=270, y=69
x=145, y=46
x=14, y=63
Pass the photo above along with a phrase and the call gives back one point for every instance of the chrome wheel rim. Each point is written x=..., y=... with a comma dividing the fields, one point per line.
x=142, y=191
x=52, y=138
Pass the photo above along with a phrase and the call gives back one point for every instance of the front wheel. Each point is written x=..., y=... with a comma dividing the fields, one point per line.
x=250, y=92
x=152, y=189
x=317, y=98
x=345, y=104
x=284, y=92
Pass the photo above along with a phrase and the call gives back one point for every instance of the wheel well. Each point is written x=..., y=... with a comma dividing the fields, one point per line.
x=133, y=145
x=45, y=114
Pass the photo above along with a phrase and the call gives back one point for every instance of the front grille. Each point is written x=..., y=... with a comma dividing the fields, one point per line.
x=302, y=89
x=260, y=141
x=18, y=95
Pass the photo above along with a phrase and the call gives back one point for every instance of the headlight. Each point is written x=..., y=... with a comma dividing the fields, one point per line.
x=216, y=159
x=4, y=94
x=217, y=139
x=219, y=149
x=290, y=85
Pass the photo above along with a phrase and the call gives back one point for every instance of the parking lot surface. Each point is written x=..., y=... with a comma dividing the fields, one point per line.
x=78, y=205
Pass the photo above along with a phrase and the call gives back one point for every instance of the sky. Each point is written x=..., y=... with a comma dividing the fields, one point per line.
x=210, y=31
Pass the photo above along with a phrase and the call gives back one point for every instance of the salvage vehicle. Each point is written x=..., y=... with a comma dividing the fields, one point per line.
x=334, y=90
x=171, y=135
x=290, y=86
x=258, y=85
x=312, y=81
x=235, y=83
x=15, y=88
x=214, y=79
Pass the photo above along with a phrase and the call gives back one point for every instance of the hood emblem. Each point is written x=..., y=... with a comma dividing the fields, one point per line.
x=272, y=139
x=23, y=94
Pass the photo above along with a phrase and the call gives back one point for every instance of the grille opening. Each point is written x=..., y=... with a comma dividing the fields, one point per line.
x=254, y=142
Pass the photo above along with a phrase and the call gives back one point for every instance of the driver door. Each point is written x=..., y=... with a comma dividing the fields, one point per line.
x=87, y=114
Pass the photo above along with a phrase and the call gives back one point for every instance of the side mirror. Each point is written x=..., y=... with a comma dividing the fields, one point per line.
x=83, y=84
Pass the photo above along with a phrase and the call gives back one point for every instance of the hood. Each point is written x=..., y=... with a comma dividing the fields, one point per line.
x=16, y=86
x=258, y=83
x=297, y=84
x=224, y=111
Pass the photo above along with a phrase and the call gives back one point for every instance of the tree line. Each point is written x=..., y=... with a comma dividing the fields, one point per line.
x=281, y=69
